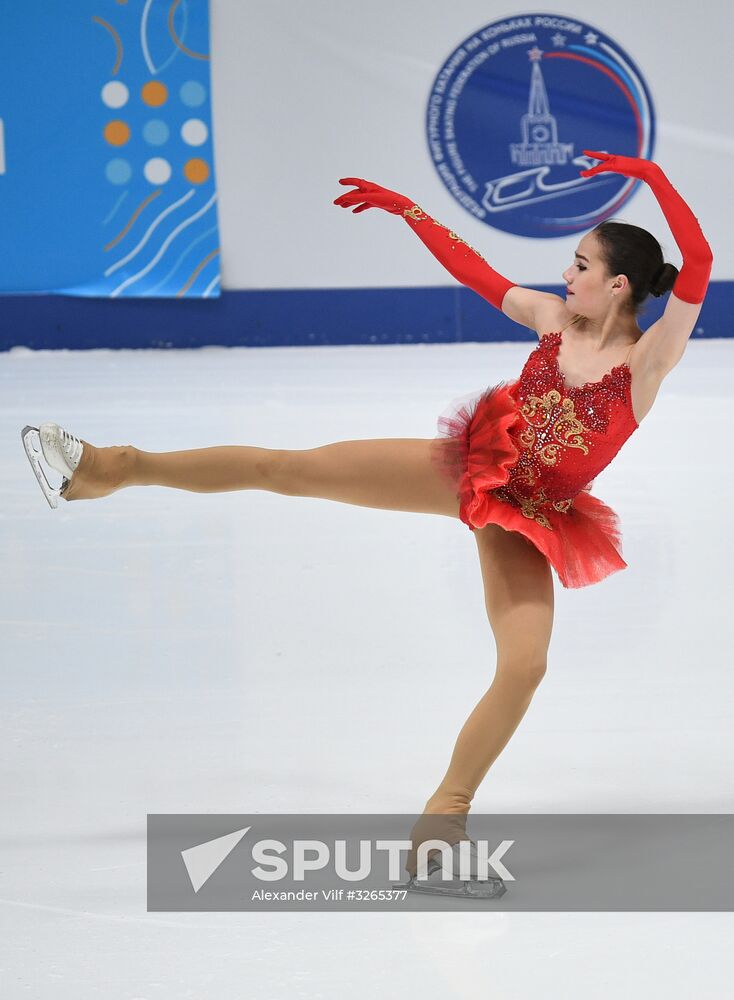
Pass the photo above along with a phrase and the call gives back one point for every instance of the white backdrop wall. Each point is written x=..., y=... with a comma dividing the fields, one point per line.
x=306, y=93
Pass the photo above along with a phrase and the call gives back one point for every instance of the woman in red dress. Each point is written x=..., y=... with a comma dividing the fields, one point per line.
x=515, y=465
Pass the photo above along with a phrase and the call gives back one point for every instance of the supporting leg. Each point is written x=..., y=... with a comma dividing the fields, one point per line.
x=519, y=599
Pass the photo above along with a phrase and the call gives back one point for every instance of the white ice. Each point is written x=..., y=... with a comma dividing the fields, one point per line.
x=171, y=652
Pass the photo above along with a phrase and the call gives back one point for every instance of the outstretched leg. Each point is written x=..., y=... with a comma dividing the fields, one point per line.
x=518, y=590
x=387, y=473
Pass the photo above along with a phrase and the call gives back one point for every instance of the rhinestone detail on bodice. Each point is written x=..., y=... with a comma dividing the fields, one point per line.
x=567, y=434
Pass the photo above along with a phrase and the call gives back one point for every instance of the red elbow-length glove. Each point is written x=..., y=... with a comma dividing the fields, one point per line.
x=459, y=259
x=693, y=279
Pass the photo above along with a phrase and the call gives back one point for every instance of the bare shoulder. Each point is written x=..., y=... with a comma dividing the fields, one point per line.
x=534, y=309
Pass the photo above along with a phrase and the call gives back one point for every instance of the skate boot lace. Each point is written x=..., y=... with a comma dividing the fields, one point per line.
x=72, y=448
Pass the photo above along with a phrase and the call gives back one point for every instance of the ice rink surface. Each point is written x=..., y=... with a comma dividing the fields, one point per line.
x=168, y=652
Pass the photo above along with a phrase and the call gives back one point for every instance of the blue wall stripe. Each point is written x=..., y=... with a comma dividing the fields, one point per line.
x=291, y=317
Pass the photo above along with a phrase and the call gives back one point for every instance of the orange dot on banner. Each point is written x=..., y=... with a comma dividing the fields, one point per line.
x=117, y=133
x=154, y=93
x=196, y=171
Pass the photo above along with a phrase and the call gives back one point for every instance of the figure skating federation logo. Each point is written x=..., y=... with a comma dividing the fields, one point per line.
x=513, y=107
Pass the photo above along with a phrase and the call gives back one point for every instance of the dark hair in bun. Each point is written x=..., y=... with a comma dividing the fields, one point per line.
x=632, y=251
x=664, y=280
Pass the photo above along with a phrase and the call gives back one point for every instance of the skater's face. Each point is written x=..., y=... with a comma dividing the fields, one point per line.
x=590, y=289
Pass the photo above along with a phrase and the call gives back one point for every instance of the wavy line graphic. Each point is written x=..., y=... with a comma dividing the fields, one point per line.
x=182, y=257
x=210, y=287
x=174, y=36
x=178, y=43
x=118, y=40
x=184, y=225
x=144, y=37
x=112, y=214
x=134, y=216
x=197, y=272
x=153, y=226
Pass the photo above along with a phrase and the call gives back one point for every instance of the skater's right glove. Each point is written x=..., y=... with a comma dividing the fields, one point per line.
x=460, y=260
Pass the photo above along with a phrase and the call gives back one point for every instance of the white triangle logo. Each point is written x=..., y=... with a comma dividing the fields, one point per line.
x=204, y=859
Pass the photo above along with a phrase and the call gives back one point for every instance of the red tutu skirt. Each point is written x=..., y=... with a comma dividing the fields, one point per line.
x=476, y=450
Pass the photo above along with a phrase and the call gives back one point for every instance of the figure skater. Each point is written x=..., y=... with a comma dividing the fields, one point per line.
x=515, y=465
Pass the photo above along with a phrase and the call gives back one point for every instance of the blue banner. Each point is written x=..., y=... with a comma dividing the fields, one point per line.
x=107, y=182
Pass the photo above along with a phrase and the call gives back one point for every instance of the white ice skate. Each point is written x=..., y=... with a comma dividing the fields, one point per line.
x=61, y=450
x=466, y=888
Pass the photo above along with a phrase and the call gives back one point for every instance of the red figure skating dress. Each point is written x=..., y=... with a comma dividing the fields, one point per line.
x=523, y=455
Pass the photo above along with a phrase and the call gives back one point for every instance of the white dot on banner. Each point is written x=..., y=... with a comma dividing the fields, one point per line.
x=115, y=94
x=194, y=132
x=157, y=171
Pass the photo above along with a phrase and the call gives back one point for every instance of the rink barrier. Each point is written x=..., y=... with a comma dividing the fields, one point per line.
x=292, y=317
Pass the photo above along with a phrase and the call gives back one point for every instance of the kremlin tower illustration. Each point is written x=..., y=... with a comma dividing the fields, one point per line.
x=540, y=145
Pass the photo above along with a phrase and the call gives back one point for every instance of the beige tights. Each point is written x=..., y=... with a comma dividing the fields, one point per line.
x=237, y=467
x=202, y=470
x=205, y=470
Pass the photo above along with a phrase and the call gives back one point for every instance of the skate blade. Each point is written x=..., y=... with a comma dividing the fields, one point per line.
x=491, y=888
x=32, y=445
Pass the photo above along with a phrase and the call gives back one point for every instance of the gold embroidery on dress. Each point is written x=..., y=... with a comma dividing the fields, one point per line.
x=567, y=431
x=567, y=428
x=530, y=506
x=574, y=426
x=540, y=407
x=527, y=438
x=548, y=454
x=525, y=476
x=563, y=505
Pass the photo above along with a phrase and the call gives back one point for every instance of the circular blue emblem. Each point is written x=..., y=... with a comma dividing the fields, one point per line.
x=511, y=111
